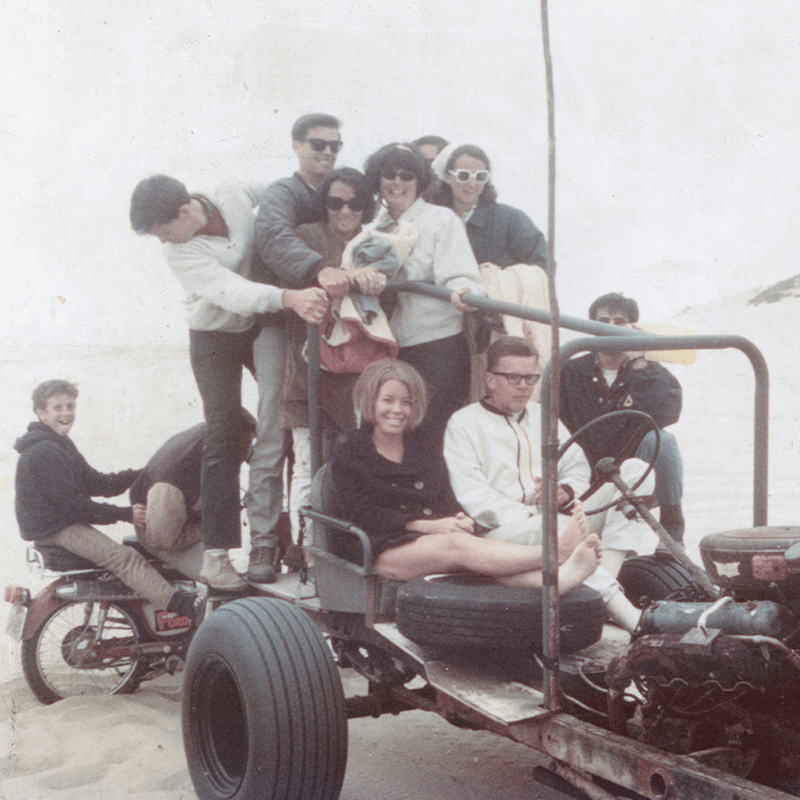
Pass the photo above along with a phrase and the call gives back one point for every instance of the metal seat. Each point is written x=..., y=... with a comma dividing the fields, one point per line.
x=343, y=560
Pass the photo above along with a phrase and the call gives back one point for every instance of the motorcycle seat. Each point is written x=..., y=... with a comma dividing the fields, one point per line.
x=57, y=559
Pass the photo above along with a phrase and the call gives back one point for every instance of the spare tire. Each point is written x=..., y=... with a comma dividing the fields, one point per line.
x=472, y=611
x=647, y=578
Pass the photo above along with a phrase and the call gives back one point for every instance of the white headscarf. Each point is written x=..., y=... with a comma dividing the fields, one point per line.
x=439, y=164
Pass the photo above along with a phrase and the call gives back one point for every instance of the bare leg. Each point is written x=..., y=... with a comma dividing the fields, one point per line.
x=575, y=570
x=437, y=553
x=456, y=552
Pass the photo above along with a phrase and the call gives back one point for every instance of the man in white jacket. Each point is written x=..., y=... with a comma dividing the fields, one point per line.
x=492, y=449
x=209, y=244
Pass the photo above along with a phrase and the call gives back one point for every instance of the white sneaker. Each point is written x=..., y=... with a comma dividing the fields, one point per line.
x=218, y=572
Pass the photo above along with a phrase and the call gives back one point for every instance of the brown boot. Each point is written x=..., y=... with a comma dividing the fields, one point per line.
x=263, y=565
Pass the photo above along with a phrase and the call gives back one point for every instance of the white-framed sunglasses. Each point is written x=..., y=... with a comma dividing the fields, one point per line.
x=464, y=175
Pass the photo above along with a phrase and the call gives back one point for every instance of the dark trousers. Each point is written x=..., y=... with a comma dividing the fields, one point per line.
x=444, y=366
x=217, y=361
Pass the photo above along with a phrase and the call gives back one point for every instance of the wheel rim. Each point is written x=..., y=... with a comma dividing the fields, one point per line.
x=219, y=726
x=69, y=670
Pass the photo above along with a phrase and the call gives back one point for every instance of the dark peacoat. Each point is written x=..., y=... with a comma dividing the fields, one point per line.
x=381, y=496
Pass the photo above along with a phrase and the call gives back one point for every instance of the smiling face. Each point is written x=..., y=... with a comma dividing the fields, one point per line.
x=313, y=165
x=345, y=222
x=398, y=194
x=465, y=195
x=503, y=395
x=59, y=413
x=393, y=408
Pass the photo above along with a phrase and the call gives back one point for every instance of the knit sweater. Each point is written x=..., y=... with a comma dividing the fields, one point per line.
x=504, y=235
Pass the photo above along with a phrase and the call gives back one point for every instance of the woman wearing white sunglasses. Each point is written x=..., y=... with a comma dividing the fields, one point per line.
x=499, y=234
x=429, y=332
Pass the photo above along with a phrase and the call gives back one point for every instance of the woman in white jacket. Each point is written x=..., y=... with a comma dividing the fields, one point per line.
x=430, y=333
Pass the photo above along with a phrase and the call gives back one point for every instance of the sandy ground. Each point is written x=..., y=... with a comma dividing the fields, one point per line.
x=132, y=399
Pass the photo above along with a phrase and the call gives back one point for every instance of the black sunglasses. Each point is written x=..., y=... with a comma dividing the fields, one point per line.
x=319, y=145
x=337, y=203
x=404, y=174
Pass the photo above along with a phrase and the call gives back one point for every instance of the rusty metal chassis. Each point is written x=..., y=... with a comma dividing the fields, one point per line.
x=577, y=749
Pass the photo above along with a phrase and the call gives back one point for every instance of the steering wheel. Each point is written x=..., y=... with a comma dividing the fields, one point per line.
x=645, y=424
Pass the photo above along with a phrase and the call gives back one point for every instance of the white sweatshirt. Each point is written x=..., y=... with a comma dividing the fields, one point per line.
x=214, y=270
x=493, y=459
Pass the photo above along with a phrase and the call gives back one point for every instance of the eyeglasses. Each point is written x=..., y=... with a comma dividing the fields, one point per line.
x=319, y=145
x=464, y=175
x=514, y=378
x=337, y=203
x=403, y=174
x=622, y=321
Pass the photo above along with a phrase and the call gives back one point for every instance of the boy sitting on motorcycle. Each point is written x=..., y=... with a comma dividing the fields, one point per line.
x=54, y=506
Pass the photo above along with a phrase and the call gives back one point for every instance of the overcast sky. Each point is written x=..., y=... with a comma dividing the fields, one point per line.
x=677, y=135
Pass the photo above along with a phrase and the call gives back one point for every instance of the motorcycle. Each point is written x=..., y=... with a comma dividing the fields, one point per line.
x=88, y=633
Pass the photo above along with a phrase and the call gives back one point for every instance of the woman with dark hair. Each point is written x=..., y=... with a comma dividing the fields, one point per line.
x=499, y=234
x=346, y=204
x=391, y=483
x=430, y=333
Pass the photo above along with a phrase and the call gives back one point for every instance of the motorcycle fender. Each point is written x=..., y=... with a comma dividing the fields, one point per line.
x=41, y=606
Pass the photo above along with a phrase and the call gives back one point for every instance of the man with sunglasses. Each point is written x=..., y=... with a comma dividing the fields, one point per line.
x=598, y=383
x=290, y=202
x=493, y=454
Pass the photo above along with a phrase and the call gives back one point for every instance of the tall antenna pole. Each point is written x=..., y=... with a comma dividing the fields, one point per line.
x=550, y=447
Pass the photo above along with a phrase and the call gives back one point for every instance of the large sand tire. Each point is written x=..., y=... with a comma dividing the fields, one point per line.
x=263, y=707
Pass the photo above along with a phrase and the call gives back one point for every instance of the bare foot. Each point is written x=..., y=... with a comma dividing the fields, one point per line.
x=580, y=565
x=576, y=531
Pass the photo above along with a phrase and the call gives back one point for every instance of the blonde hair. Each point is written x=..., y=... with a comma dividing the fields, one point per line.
x=369, y=383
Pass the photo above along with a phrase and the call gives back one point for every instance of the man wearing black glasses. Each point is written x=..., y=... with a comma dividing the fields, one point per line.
x=493, y=454
x=289, y=202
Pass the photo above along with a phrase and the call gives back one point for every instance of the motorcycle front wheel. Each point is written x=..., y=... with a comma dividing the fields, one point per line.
x=66, y=657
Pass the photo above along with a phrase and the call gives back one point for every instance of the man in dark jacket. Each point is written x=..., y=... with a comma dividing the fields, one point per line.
x=289, y=202
x=596, y=384
x=169, y=488
x=54, y=490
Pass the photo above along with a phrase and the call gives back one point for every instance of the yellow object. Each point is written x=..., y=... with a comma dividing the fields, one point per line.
x=670, y=356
